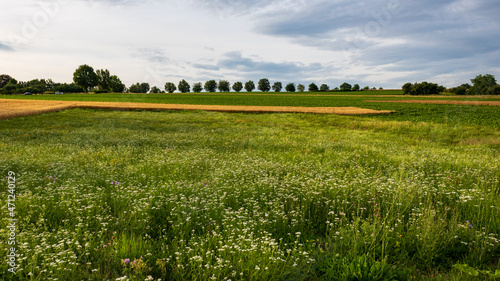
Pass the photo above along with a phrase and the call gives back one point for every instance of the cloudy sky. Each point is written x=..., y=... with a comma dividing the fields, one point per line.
x=382, y=43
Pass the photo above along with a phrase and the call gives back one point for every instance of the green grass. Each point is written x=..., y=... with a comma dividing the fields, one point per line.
x=199, y=195
x=454, y=115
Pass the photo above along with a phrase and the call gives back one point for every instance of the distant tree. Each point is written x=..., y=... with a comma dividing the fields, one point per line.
x=224, y=86
x=366, y=88
x=355, y=87
x=380, y=88
x=494, y=90
x=11, y=87
x=460, y=90
x=249, y=86
x=116, y=85
x=155, y=90
x=481, y=83
x=197, y=88
x=421, y=89
x=407, y=88
x=301, y=88
x=103, y=80
x=184, y=86
x=313, y=87
x=68, y=88
x=277, y=86
x=85, y=77
x=237, y=87
x=170, y=87
x=210, y=86
x=345, y=87
x=290, y=87
x=324, y=88
x=4, y=79
x=264, y=85
x=144, y=88
x=135, y=88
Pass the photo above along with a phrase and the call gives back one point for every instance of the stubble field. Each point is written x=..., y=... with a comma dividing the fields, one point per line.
x=194, y=195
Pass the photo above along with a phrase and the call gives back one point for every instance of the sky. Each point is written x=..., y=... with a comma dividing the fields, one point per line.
x=377, y=43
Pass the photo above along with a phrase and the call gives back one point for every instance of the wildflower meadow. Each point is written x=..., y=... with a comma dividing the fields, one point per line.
x=104, y=195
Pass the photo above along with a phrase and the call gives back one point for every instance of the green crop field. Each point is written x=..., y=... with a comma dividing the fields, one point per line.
x=113, y=195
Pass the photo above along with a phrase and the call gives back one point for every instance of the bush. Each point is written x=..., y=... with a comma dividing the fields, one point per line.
x=422, y=89
x=290, y=87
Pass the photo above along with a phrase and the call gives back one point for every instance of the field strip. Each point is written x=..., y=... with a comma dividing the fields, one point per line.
x=491, y=103
x=11, y=108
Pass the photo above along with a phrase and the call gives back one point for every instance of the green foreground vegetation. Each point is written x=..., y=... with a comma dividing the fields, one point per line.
x=103, y=195
x=470, y=115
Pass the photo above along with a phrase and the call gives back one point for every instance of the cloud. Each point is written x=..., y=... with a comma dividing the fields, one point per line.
x=152, y=55
x=235, y=61
x=206, y=66
x=4, y=47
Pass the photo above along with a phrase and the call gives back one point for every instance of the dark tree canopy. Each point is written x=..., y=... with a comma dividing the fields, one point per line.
x=482, y=83
x=224, y=86
x=116, y=85
x=277, y=86
x=155, y=90
x=313, y=87
x=141, y=88
x=264, y=85
x=197, y=88
x=103, y=80
x=324, y=87
x=210, y=86
x=237, y=87
x=4, y=79
x=249, y=86
x=422, y=89
x=345, y=87
x=170, y=87
x=356, y=87
x=184, y=86
x=85, y=77
x=290, y=87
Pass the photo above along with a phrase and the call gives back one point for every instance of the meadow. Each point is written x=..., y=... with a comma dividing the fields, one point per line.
x=104, y=195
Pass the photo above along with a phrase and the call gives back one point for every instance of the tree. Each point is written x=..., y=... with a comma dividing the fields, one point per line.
x=85, y=77
x=237, y=87
x=277, y=87
x=210, y=86
x=324, y=88
x=301, y=88
x=116, y=85
x=290, y=87
x=135, y=88
x=224, y=86
x=356, y=87
x=197, y=88
x=144, y=88
x=249, y=86
x=313, y=87
x=407, y=88
x=4, y=79
x=345, y=87
x=155, y=90
x=264, y=85
x=103, y=80
x=184, y=86
x=170, y=87
x=481, y=83
x=421, y=89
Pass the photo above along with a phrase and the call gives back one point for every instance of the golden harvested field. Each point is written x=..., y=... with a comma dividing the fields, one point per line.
x=11, y=108
x=491, y=103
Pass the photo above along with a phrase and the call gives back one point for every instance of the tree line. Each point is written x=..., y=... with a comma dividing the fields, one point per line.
x=85, y=79
x=481, y=85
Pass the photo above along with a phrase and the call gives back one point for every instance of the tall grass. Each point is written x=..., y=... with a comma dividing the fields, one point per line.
x=217, y=196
